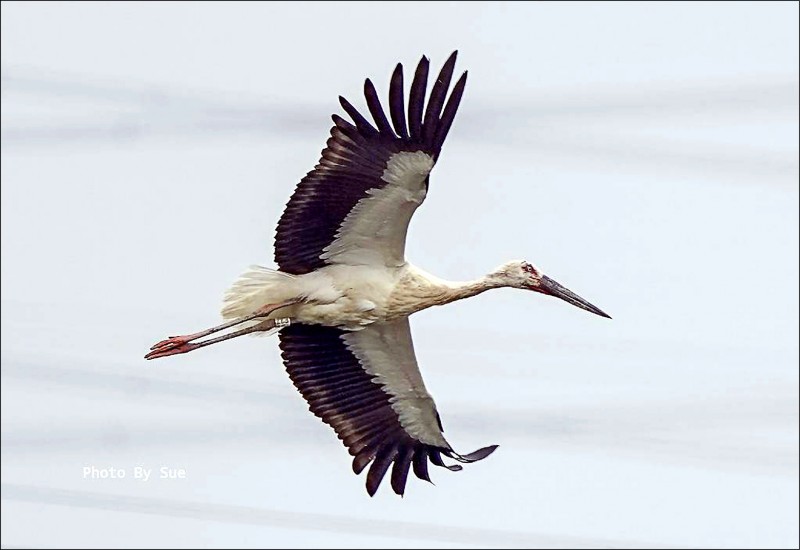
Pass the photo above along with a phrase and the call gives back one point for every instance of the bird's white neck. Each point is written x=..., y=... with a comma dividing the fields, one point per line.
x=420, y=290
x=467, y=289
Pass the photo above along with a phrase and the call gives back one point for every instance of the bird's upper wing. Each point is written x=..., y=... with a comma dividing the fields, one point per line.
x=354, y=207
x=366, y=385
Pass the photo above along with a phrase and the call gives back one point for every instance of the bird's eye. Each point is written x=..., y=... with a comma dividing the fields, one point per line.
x=529, y=269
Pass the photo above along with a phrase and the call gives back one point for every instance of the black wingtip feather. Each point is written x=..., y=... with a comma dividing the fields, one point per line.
x=436, y=100
x=416, y=100
x=402, y=464
x=340, y=122
x=362, y=123
x=397, y=100
x=376, y=109
x=347, y=128
x=361, y=461
x=436, y=459
x=421, y=465
x=449, y=113
x=379, y=467
x=474, y=456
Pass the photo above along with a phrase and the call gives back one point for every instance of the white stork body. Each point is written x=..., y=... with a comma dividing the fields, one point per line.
x=344, y=291
x=346, y=296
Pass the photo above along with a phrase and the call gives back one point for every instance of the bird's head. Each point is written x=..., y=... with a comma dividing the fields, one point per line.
x=521, y=274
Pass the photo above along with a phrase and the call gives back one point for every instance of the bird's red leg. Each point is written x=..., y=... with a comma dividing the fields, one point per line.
x=190, y=346
x=177, y=341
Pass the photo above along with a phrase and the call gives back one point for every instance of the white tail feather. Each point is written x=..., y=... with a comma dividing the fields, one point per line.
x=255, y=288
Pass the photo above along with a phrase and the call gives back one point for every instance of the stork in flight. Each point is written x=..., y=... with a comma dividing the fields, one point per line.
x=343, y=292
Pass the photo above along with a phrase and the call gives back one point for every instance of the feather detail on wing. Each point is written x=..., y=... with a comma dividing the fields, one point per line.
x=366, y=385
x=355, y=206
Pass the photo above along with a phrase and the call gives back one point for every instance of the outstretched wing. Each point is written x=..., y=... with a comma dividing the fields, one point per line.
x=354, y=207
x=366, y=385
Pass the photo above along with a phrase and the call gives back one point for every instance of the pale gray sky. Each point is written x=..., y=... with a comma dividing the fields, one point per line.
x=645, y=155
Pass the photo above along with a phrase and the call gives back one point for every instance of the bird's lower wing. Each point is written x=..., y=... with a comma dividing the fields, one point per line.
x=366, y=385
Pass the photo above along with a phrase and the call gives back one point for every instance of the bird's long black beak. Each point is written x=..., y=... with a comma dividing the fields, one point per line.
x=549, y=286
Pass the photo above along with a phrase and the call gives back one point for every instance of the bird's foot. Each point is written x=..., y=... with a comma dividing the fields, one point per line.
x=175, y=341
x=175, y=345
x=174, y=348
